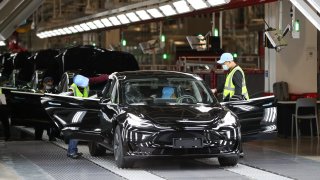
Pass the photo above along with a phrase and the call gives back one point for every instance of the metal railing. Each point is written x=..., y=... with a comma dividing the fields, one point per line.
x=203, y=64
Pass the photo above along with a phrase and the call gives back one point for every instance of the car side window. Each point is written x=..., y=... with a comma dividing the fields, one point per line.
x=114, y=94
x=108, y=89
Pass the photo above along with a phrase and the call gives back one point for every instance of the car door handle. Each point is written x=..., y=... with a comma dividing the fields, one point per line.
x=266, y=105
x=55, y=104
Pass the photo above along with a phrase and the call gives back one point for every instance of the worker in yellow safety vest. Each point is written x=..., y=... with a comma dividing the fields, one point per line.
x=80, y=88
x=235, y=85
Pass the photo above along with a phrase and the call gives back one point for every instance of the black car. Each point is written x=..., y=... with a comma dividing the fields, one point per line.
x=24, y=101
x=160, y=113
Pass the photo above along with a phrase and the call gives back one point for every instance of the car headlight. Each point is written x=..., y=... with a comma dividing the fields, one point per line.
x=228, y=120
x=136, y=121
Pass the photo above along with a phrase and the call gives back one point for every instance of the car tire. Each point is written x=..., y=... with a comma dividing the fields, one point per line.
x=119, y=152
x=228, y=161
x=96, y=149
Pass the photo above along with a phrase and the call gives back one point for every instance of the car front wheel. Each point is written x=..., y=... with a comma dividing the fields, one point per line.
x=119, y=152
x=228, y=161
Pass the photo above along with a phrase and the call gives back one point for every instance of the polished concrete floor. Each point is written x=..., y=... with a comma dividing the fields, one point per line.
x=266, y=157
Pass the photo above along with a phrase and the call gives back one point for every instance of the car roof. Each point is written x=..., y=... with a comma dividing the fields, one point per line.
x=154, y=73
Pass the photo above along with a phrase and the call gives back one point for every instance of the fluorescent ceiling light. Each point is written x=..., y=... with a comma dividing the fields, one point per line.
x=53, y=33
x=315, y=4
x=123, y=19
x=181, y=6
x=50, y=34
x=114, y=21
x=73, y=29
x=307, y=12
x=85, y=27
x=91, y=25
x=168, y=10
x=143, y=15
x=155, y=13
x=62, y=31
x=68, y=31
x=106, y=22
x=56, y=32
x=2, y=43
x=98, y=23
x=47, y=34
x=198, y=4
x=78, y=28
x=133, y=17
x=38, y=34
x=218, y=2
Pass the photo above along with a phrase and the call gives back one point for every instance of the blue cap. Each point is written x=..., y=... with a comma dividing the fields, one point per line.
x=167, y=92
x=81, y=81
x=225, y=57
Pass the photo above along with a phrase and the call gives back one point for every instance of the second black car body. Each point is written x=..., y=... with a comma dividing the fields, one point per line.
x=160, y=113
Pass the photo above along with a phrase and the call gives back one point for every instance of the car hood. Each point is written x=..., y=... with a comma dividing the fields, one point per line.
x=172, y=114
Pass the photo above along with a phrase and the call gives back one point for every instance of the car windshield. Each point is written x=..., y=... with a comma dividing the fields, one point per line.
x=168, y=91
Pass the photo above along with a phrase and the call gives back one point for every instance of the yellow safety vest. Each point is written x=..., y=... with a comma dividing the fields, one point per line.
x=78, y=93
x=229, y=88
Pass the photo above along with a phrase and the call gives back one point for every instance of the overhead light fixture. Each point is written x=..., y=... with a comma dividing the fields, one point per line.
x=85, y=27
x=315, y=4
x=114, y=21
x=123, y=19
x=56, y=32
x=168, y=10
x=218, y=2
x=181, y=6
x=155, y=13
x=41, y=36
x=198, y=4
x=50, y=34
x=78, y=28
x=307, y=12
x=73, y=29
x=45, y=34
x=53, y=33
x=106, y=22
x=133, y=17
x=2, y=43
x=143, y=15
x=62, y=31
x=38, y=34
x=91, y=25
x=67, y=30
x=98, y=23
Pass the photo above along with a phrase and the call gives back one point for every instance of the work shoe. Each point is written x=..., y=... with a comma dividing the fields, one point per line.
x=241, y=155
x=74, y=156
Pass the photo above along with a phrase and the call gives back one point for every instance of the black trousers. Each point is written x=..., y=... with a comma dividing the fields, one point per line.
x=4, y=118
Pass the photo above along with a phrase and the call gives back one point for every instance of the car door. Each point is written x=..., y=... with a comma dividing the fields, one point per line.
x=26, y=109
x=109, y=105
x=76, y=117
x=255, y=115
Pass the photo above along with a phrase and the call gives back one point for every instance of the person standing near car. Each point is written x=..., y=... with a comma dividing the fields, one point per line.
x=235, y=87
x=79, y=88
x=47, y=86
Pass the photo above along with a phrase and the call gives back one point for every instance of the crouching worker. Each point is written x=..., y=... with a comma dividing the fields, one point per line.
x=80, y=88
